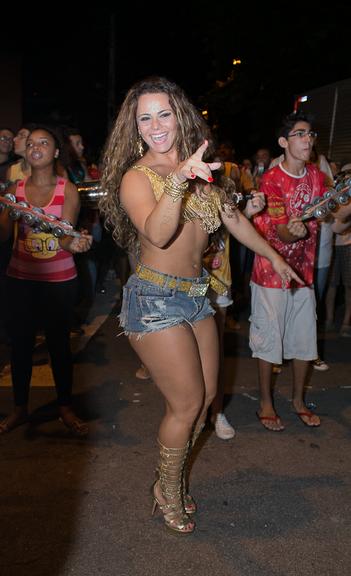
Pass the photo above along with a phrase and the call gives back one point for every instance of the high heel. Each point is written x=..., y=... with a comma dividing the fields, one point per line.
x=190, y=506
x=170, y=483
x=188, y=501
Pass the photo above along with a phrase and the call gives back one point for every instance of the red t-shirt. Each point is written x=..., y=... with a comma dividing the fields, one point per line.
x=286, y=196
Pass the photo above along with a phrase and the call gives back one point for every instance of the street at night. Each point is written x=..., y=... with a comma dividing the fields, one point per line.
x=175, y=239
x=269, y=503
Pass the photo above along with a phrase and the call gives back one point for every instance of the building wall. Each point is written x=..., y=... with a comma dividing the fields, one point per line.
x=331, y=107
x=11, y=91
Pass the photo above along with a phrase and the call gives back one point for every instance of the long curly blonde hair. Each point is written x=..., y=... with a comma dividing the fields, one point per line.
x=122, y=152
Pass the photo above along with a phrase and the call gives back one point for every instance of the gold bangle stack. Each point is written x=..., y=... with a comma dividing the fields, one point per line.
x=175, y=189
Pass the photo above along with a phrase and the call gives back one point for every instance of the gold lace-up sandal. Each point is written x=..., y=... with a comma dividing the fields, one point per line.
x=189, y=502
x=169, y=484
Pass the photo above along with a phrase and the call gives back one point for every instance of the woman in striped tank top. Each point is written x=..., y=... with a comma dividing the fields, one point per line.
x=41, y=280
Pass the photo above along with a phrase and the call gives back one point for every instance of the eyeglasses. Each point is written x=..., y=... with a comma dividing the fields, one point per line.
x=302, y=133
x=6, y=139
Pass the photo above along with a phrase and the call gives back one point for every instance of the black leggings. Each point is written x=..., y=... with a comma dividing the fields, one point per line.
x=30, y=304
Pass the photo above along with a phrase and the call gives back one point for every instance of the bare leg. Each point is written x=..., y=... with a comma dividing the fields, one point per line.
x=267, y=414
x=183, y=362
x=173, y=360
x=221, y=425
x=217, y=404
x=207, y=339
x=300, y=368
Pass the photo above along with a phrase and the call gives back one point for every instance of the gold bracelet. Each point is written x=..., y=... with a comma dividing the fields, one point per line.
x=175, y=189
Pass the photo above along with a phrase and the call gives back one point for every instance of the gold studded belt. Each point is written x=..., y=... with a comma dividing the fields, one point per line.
x=195, y=288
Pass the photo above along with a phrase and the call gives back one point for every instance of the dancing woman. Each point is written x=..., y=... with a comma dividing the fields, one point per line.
x=161, y=205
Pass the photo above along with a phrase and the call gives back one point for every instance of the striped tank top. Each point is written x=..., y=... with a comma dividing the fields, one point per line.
x=37, y=255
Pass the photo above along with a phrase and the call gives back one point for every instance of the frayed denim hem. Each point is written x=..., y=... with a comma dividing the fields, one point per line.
x=140, y=335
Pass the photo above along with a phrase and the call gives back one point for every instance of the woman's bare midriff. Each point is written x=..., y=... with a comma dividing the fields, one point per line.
x=182, y=256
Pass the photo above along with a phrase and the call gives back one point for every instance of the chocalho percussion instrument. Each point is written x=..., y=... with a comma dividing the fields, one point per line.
x=90, y=193
x=36, y=217
x=339, y=195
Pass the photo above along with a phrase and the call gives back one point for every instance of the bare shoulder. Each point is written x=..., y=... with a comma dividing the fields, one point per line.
x=135, y=182
x=136, y=195
x=70, y=188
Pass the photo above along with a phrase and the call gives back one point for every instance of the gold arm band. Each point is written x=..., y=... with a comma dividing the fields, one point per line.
x=175, y=189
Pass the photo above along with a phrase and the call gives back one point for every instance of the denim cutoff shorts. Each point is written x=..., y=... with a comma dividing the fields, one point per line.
x=148, y=307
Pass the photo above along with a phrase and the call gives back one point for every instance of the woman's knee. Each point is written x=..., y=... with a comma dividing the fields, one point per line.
x=189, y=412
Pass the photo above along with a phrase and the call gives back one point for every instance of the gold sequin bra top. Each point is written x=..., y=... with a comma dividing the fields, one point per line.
x=193, y=207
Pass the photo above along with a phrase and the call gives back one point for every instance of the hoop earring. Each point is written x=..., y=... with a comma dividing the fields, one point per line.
x=140, y=146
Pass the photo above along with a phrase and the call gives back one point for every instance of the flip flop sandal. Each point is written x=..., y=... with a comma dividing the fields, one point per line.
x=5, y=428
x=275, y=418
x=77, y=427
x=307, y=415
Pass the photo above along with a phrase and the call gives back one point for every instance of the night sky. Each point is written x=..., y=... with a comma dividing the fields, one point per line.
x=285, y=50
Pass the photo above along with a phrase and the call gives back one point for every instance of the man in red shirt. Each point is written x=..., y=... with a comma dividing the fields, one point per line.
x=283, y=318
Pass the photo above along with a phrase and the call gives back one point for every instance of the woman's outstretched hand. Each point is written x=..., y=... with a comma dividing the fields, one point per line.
x=285, y=272
x=194, y=166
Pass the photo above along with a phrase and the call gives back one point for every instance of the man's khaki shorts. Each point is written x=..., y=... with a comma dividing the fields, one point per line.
x=283, y=324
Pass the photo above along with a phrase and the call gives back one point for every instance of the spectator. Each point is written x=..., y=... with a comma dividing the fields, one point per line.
x=283, y=318
x=41, y=281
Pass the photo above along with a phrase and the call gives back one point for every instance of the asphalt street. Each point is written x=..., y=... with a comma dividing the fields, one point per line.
x=270, y=504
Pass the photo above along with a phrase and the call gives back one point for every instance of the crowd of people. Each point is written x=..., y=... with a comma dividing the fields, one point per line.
x=198, y=229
